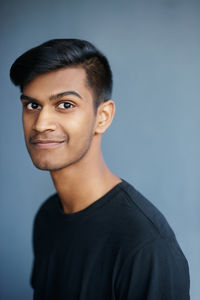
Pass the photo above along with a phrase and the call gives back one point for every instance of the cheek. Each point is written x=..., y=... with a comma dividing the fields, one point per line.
x=79, y=124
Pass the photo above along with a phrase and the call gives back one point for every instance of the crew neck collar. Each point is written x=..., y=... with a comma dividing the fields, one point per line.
x=92, y=207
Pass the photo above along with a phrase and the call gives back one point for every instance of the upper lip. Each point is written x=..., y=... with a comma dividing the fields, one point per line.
x=45, y=141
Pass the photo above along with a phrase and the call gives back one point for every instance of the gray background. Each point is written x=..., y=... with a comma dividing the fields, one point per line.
x=153, y=49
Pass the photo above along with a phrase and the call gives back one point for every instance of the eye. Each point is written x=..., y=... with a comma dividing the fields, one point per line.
x=65, y=105
x=32, y=106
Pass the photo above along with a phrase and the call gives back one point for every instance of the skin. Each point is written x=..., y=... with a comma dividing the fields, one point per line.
x=63, y=135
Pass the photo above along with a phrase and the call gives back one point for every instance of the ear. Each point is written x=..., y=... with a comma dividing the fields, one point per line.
x=105, y=114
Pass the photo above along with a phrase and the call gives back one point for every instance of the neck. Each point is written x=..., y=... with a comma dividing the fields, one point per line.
x=82, y=184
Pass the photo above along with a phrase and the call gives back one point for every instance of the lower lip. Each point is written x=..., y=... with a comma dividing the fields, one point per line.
x=47, y=145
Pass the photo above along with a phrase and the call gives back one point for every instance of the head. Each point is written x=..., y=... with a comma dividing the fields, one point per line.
x=66, y=87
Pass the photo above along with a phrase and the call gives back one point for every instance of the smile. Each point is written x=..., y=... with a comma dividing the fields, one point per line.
x=47, y=144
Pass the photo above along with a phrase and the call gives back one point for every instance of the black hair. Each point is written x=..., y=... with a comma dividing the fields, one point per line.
x=60, y=53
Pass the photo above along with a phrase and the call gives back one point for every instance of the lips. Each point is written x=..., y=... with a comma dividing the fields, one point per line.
x=46, y=143
x=39, y=141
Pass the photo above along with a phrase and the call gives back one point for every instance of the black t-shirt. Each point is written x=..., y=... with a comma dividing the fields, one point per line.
x=118, y=248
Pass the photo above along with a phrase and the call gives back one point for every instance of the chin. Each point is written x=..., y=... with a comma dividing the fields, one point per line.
x=47, y=162
x=48, y=166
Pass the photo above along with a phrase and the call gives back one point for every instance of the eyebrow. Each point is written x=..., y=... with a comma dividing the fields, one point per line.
x=52, y=97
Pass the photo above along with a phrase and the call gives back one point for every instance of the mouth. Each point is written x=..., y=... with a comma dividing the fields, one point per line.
x=46, y=144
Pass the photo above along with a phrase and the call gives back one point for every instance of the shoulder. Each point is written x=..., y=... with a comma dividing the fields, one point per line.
x=46, y=211
x=136, y=219
x=48, y=205
x=150, y=256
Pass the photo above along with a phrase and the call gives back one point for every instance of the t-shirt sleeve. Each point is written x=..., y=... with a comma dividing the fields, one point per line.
x=158, y=271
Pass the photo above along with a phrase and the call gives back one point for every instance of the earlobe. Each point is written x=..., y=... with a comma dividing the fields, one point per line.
x=105, y=114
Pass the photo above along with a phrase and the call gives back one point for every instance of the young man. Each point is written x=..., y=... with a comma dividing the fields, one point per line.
x=97, y=238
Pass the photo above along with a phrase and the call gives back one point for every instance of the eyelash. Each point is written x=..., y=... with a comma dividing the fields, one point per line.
x=63, y=102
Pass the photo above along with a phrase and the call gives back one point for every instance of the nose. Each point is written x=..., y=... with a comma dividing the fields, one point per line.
x=44, y=121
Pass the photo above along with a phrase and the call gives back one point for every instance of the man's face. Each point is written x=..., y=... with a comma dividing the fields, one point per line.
x=58, y=118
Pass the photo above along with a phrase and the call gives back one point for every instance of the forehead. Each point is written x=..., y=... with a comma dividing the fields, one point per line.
x=53, y=82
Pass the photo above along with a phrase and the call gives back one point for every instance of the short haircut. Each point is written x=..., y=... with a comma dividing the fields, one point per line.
x=61, y=53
